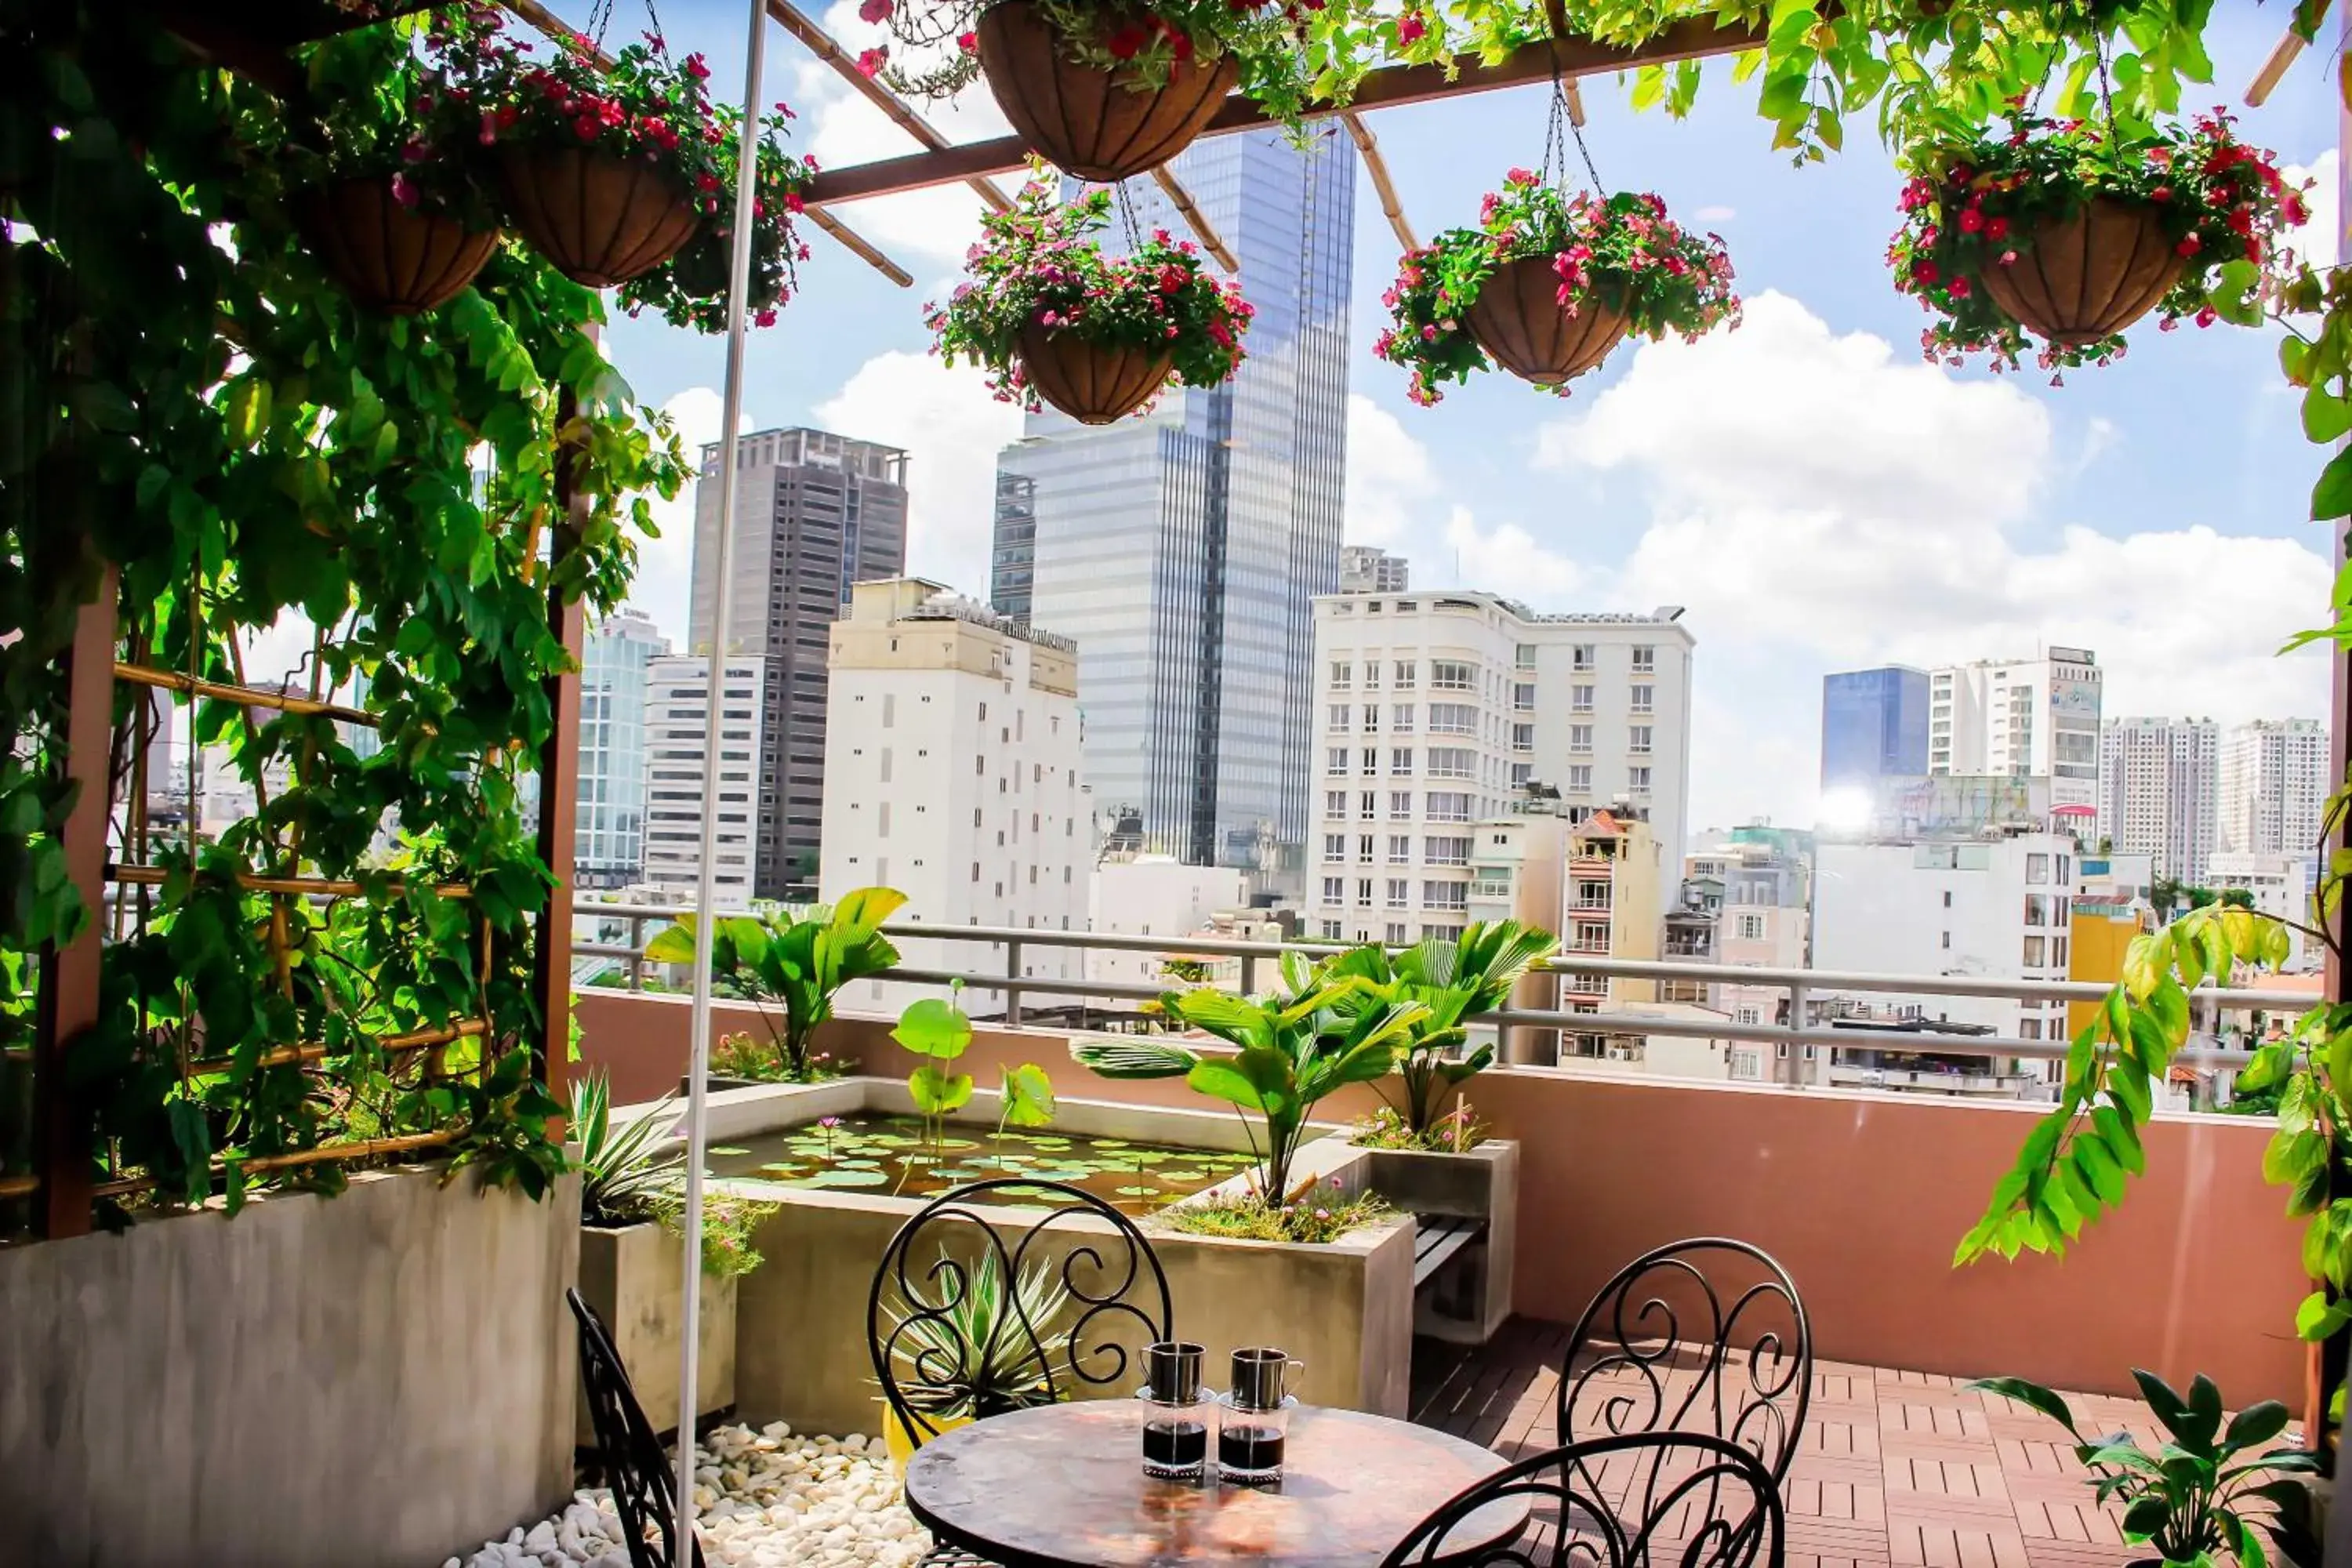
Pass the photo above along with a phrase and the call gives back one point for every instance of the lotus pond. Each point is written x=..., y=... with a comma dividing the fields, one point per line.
x=873, y=1152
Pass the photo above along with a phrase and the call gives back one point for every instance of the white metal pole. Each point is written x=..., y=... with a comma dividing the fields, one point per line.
x=739, y=289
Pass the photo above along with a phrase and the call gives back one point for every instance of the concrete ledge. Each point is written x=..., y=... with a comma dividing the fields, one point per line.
x=376, y=1380
x=1482, y=1183
x=635, y=1278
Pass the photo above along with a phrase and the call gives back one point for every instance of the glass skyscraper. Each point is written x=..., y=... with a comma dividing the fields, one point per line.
x=1873, y=726
x=609, y=838
x=1184, y=550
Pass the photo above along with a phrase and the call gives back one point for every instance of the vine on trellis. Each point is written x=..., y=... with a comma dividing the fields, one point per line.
x=192, y=398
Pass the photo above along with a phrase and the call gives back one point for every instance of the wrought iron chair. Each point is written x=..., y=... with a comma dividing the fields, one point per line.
x=971, y=1317
x=1706, y=1336
x=1650, y=1499
x=644, y=1491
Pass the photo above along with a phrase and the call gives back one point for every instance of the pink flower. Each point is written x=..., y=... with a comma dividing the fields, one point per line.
x=870, y=61
x=404, y=190
x=875, y=11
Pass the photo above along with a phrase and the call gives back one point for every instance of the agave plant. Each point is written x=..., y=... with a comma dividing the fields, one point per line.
x=1456, y=981
x=1320, y=1032
x=627, y=1173
x=799, y=959
x=978, y=1349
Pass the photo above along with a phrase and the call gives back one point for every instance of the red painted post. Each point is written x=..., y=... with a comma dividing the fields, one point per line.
x=559, y=788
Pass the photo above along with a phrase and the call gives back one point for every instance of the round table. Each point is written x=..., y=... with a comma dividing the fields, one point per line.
x=1063, y=1487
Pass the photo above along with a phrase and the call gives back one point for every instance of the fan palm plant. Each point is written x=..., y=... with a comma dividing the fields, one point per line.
x=1319, y=1033
x=1456, y=981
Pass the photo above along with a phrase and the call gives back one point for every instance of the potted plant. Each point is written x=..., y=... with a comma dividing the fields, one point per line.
x=608, y=173
x=799, y=958
x=1548, y=284
x=2213, y=1489
x=1319, y=1033
x=2063, y=230
x=632, y=1177
x=1047, y=314
x=387, y=192
x=976, y=1350
x=1108, y=90
x=690, y=289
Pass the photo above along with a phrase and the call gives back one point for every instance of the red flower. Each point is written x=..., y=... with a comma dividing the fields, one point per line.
x=1125, y=43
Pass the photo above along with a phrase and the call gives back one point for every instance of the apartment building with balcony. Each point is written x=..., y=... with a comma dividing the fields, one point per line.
x=1435, y=714
x=953, y=773
x=679, y=727
x=2273, y=786
x=2030, y=719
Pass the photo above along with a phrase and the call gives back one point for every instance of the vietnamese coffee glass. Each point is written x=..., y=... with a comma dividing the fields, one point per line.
x=1253, y=1428
x=1179, y=1415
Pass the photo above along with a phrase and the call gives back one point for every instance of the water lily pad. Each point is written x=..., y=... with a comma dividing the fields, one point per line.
x=847, y=1179
x=1170, y=1174
x=1110, y=1143
x=784, y=1170
x=721, y=1149
x=1141, y=1192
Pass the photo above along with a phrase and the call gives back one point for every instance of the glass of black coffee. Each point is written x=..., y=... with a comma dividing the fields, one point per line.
x=1179, y=1415
x=1253, y=1425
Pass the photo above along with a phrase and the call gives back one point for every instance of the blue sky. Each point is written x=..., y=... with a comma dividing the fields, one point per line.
x=1814, y=495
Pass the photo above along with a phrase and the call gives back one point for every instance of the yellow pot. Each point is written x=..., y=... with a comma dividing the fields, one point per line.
x=902, y=1442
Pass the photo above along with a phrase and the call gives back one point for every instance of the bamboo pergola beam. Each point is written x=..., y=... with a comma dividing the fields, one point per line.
x=1377, y=167
x=373, y=1149
x=246, y=695
x=1195, y=218
x=1695, y=38
x=292, y=887
x=2266, y=79
x=858, y=245
x=316, y=1052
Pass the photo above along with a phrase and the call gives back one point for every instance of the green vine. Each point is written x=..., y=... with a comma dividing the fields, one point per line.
x=198, y=404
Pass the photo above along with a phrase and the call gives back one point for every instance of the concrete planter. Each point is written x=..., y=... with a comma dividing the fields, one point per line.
x=1474, y=1295
x=635, y=1278
x=376, y=1380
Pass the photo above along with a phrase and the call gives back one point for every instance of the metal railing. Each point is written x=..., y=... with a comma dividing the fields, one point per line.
x=2210, y=1005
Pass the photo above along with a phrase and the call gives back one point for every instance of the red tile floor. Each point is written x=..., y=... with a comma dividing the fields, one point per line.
x=1896, y=1470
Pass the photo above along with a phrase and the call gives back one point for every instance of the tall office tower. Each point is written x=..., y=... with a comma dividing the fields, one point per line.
x=954, y=775
x=2159, y=782
x=1368, y=568
x=1184, y=550
x=678, y=747
x=2275, y=786
x=1439, y=712
x=609, y=842
x=814, y=514
x=2030, y=718
x=1873, y=726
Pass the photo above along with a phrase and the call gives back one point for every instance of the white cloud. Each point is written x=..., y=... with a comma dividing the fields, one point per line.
x=1820, y=501
x=1716, y=214
x=1389, y=474
x=664, y=589
x=2315, y=240
x=952, y=428
x=1506, y=560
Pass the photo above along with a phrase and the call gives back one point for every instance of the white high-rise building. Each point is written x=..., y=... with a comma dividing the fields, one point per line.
x=953, y=773
x=610, y=840
x=677, y=726
x=2031, y=718
x=2281, y=886
x=1369, y=569
x=2159, y=783
x=2275, y=786
x=1436, y=711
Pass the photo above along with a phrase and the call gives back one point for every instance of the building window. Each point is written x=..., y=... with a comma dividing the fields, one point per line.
x=1335, y=760
x=1372, y=671
x=1638, y=780
x=1948, y=898
x=1451, y=675
x=1364, y=892
x=1645, y=700
x=1331, y=930
x=1747, y=1066
x=1579, y=737
x=1448, y=851
x=2036, y=952
x=1399, y=848
x=1400, y=761
x=1524, y=657
x=2028, y=1029
x=1579, y=778
x=1445, y=895
x=1451, y=762
x=1400, y=804
x=1581, y=656
x=1638, y=740
x=1335, y=846
x=1522, y=696
x=1334, y=889
x=1749, y=1017
x=1338, y=716
x=1406, y=670
x=1394, y=934
x=1948, y=942
x=1448, y=806
x=2037, y=869
x=1452, y=719
x=1343, y=674
x=1523, y=737
x=1371, y=718
x=1400, y=892
x=1334, y=802
x=1401, y=718
x=1364, y=850
x=1370, y=759
x=1751, y=928
x=2037, y=910
x=1645, y=658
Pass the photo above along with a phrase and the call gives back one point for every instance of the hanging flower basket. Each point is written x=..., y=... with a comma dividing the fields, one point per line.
x=388, y=254
x=1518, y=320
x=1098, y=123
x=1109, y=89
x=1548, y=284
x=607, y=172
x=1051, y=319
x=690, y=289
x=2052, y=232
x=1093, y=382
